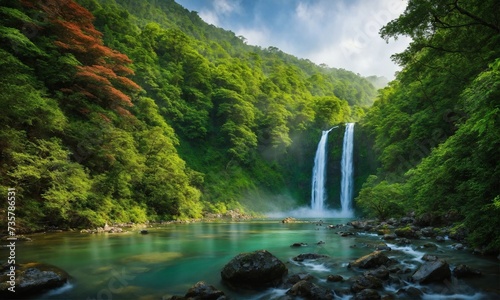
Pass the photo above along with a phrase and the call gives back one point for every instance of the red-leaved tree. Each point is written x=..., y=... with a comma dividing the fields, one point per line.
x=101, y=77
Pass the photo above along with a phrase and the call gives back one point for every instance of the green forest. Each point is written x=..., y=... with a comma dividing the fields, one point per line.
x=135, y=111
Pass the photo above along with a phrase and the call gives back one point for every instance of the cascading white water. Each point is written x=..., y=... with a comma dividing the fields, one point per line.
x=346, y=184
x=318, y=194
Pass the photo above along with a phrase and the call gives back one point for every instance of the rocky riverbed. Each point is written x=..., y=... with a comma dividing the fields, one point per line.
x=405, y=263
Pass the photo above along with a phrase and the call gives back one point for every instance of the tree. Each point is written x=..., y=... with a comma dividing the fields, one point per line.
x=381, y=199
x=100, y=75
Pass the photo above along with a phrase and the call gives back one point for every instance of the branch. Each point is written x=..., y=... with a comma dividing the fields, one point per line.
x=445, y=25
x=476, y=18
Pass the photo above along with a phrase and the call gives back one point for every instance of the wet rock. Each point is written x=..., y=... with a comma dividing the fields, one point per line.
x=115, y=230
x=299, y=277
x=346, y=233
x=406, y=220
x=389, y=237
x=410, y=292
x=392, y=221
x=256, y=269
x=367, y=294
x=296, y=245
x=288, y=220
x=428, y=232
x=388, y=297
x=202, y=291
x=335, y=278
x=366, y=282
x=372, y=260
x=382, y=247
x=458, y=246
x=381, y=273
x=407, y=232
x=432, y=271
x=458, y=234
x=31, y=279
x=304, y=256
x=464, y=271
x=440, y=239
x=429, y=246
x=403, y=242
x=144, y=231
x=383, y=231
x=429, y=257
x=342, y=291
x=395, y=280
x=478, y=251
x=309, y=290
x=320, y=243
x=359, y=225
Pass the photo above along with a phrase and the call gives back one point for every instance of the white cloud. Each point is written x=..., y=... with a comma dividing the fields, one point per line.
x=218, y=10
x=340, y=33
x=346, y=34
x=255, y=36
x=226, y=6
x=210, y=17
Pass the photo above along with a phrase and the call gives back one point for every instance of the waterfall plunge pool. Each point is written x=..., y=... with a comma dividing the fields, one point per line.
x=172, y=258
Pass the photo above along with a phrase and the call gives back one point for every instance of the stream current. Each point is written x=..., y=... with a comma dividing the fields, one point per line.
x=172, y=258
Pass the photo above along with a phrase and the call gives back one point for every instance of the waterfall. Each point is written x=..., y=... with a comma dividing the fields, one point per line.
x=346, y=184
x=318, y=194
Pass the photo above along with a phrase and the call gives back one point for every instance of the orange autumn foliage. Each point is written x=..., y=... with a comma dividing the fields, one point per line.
x=101, y=75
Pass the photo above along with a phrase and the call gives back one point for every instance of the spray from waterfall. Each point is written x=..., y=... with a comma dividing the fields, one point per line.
x=318, y=208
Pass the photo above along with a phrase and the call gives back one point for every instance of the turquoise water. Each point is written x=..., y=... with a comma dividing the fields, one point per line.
x=171, y=258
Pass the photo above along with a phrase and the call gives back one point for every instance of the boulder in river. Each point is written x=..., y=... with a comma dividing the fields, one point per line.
x=293, y=279
x=309, y=290
x=462, y=271
x=410, y=292
x=432, y=271
x=365, y=282
x=304, y=256
x=440, y=239
x=389, y=236
x=362, y=225
x=407, y=232
x=381, y=272
x=31, y=278
x=203, y=291
x=254, y=270
x=372, y=260
x=367, y=294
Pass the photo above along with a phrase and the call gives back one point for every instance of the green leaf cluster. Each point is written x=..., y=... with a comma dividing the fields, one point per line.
x=436, y=127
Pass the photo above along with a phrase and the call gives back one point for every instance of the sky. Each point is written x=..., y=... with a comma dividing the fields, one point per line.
x=338, y=33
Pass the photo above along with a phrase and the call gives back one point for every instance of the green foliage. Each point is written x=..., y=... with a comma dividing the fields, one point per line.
x=153, y=114
x=435, y=128
x=381, y=199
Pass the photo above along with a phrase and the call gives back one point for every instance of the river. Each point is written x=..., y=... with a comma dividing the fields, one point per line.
x=173, y=257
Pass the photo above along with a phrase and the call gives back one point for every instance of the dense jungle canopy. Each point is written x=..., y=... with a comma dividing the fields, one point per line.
x=135, y=111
